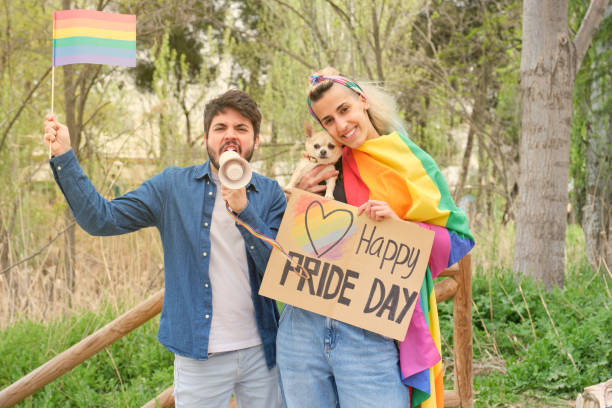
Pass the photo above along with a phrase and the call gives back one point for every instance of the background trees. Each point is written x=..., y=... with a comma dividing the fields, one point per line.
x=453, y=66
x=550, y=59
x=592, y=140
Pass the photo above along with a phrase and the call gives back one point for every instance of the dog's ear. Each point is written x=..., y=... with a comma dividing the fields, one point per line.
x=308, y=129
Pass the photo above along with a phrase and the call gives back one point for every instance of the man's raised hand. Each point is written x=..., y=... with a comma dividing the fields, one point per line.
x=56, y=135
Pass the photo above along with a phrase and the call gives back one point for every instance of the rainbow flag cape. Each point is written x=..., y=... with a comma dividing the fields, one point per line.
x=392, y=168
x=94, y=37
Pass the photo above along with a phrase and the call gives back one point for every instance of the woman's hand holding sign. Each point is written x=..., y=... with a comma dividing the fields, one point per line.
x=377, y=210
x=56, y=135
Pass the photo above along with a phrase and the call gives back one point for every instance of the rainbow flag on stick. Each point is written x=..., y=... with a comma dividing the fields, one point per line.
x=94, y=37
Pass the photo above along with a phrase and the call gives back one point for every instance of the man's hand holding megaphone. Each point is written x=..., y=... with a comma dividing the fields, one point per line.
x=234, y=173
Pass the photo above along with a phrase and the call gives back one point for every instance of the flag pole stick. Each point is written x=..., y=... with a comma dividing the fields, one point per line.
x=52, y=87
x=52, y=98
x=52, y=77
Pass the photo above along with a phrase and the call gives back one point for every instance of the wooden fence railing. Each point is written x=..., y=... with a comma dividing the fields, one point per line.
x=456, y=284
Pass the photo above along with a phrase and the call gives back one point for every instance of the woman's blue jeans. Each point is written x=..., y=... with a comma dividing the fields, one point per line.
x=326, y=363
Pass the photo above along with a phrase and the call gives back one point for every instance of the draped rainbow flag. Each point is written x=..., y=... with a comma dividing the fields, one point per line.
x=94, y=37
x=394, y=169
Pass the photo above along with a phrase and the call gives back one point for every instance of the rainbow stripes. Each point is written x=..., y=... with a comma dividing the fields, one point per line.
x=298, y=269
x=392, y=168
x=94, y=37
x=340, y=79
x=319, y=229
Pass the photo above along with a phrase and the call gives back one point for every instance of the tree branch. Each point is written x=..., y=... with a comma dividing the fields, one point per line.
x=588, y=28
x=262, y=40
x=59, y=234
x=310, y=22
x=347, y=19
x=21, y=108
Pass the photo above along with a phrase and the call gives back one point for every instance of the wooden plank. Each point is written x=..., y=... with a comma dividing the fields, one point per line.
x=163, y=400
x=81, y=351
x=451, y=270
x=451, y=398
x=462, y=335
x=445, y=289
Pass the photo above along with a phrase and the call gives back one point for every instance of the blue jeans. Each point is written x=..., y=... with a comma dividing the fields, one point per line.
x=326, y=363
x=210, y=383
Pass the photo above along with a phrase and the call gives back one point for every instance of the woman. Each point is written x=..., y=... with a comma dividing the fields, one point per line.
x=327, y=363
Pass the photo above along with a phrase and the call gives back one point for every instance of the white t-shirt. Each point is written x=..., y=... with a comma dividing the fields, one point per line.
x=233, y=325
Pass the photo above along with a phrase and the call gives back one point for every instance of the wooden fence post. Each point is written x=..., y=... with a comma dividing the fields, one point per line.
x=462, y=335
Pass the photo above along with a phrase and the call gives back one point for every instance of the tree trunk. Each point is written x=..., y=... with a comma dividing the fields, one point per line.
x=549, y=61
x=74, y=140
x=598, y=207
x=483, y=170
x=478, y=111
x=378, y=51
x=4, y=247
x=69, y=255
x=546, y=82
x=597, y=211
x=465, y=164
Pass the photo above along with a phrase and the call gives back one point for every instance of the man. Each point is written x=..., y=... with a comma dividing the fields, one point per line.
x=221, y=331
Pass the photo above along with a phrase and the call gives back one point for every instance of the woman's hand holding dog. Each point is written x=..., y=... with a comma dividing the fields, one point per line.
x=310, y=181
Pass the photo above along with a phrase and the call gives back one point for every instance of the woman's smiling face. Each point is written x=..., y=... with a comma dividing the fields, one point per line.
x=343, y=114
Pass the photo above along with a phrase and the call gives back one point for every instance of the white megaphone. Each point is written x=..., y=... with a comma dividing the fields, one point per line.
x=234, y=171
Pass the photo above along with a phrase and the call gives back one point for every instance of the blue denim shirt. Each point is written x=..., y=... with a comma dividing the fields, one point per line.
x=179, y=202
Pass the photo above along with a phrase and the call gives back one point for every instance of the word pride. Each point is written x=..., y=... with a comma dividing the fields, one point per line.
x=330, y=281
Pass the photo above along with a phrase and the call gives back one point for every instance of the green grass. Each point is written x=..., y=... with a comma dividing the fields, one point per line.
x=140, y=368
x=519, y=358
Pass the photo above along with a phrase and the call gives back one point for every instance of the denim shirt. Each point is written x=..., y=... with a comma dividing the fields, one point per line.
x=179, y=202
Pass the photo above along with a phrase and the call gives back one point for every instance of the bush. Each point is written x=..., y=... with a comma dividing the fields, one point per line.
x=548, y=345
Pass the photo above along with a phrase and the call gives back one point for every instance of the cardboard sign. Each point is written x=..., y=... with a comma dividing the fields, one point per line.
x=362, y=272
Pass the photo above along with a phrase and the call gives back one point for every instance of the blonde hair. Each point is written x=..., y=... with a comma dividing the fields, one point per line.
x=382, y=110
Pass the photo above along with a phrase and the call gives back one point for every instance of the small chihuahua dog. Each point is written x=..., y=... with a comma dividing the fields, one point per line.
x=320, y=149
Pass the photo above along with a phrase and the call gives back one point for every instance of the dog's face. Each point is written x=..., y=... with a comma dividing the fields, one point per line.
x=320, y=146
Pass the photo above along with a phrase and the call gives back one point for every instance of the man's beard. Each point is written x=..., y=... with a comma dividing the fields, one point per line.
x=214, y=158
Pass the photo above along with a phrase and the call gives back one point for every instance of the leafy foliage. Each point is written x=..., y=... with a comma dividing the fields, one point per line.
x=529, y=351
x=130, y=372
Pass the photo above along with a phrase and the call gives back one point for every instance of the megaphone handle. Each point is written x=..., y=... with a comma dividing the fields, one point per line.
x=233, y=213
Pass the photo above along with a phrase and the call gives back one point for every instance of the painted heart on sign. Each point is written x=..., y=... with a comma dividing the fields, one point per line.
x=323, y=239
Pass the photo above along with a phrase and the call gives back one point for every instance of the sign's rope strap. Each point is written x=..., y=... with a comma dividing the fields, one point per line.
x=297, y=268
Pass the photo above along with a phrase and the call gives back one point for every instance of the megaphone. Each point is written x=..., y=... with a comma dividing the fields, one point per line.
x=234, y=171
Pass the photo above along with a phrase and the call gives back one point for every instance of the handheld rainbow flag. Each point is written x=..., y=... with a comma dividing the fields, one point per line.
x=94, y=37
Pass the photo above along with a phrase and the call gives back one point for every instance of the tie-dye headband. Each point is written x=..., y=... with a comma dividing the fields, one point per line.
x=342, y=80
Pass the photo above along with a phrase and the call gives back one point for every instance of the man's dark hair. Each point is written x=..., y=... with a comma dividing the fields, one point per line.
x=237, y=100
